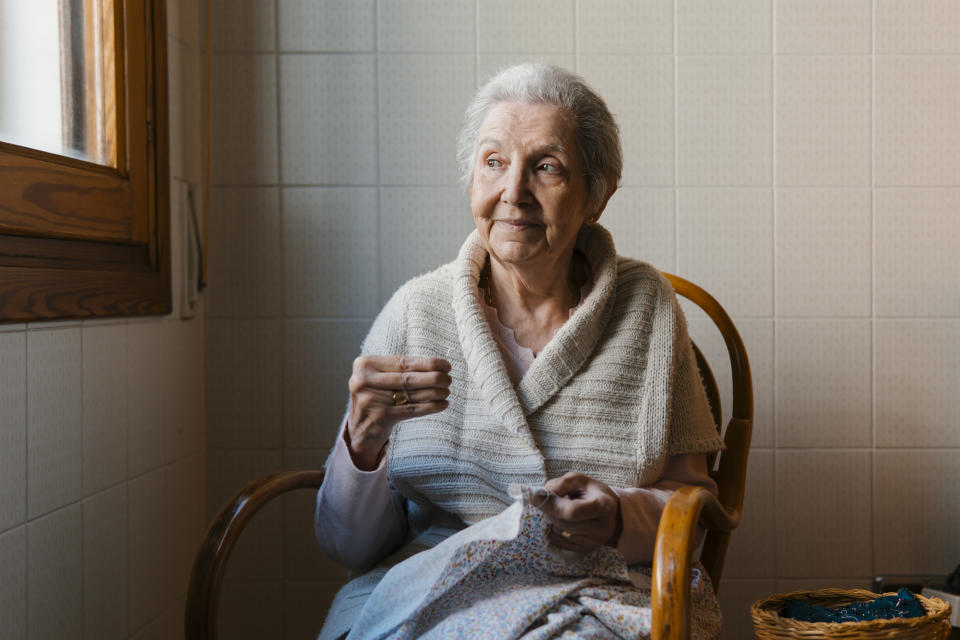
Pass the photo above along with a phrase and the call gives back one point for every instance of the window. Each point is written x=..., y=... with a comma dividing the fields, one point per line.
x=84, y=197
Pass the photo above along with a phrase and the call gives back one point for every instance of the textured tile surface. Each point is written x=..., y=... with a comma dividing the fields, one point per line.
x=13, y=429
x=504, y=25
x=105, y=564
x=318, y=359
x=422, y=99
x=736, y=596
x=726, y=246
x=917, y=235
x=725, y=120
x=155, y=630
x=915, y=497
x=54, y=401
x=104, y=407
x=328, y=119
x=244, y=382
x=724, y=26
x=146, y=371
x=757, y=335
x=147, y=548
x=823, y=26
x=428, y=26
x=327, y=25
x=244, y=119
x=917, y=364
x=643, y=109
x=183, y=401
x=55, y=578
x=244, y=25
x=251, y=609
x=184, y=520
x=625, y=26
x=916, y=130
x=330, y=251
x=302, y=558
x=13, y=582
x=823, y=120
x=643, y=225
x=823, y=379
x=421, y=228
x=823, y=252
x=823, y=513
x=752, y=547
x=918, y=26
x=244, y=259
x=305, y=605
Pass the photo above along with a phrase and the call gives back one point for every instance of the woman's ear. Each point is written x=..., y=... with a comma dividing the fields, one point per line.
x=603, y=205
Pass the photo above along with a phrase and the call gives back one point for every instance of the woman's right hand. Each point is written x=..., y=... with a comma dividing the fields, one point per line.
x=373, y=413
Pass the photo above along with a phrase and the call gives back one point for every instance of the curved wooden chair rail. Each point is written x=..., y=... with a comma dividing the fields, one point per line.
x=676, y=536
x=206, y=576
x=690, y=506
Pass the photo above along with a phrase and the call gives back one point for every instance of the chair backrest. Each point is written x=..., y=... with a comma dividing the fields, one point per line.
x=729, y=468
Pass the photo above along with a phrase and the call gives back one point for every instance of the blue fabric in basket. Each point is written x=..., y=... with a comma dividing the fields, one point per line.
x=901, y=605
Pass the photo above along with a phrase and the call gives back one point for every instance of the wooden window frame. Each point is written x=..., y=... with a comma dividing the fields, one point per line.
x=80, y=240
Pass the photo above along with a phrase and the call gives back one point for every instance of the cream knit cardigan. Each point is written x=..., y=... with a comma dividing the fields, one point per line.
x=613, y=395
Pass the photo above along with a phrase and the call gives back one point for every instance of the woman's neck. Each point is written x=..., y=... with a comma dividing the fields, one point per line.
x=534, y=302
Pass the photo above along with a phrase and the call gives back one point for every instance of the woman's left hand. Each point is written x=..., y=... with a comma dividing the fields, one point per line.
x=584, y=513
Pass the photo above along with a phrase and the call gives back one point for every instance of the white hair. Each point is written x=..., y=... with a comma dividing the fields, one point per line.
x=596, y=130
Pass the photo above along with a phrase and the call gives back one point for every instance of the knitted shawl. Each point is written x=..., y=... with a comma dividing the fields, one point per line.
x=612, y=395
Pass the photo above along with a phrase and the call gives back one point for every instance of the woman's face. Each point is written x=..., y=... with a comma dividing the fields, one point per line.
x=529, y=193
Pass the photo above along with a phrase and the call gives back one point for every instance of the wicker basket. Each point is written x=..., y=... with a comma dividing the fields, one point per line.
x=768, y=625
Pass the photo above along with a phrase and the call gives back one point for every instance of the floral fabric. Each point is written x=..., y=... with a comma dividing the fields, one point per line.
x=500, y=579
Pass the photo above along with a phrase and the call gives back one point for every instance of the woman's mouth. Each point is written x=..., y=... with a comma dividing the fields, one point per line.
x=516, y=225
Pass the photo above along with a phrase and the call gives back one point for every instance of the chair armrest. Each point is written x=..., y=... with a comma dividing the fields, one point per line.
x=210, y=562
x=673, y=557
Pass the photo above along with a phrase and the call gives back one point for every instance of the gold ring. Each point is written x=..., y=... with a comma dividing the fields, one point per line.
x=400, y=397
x=566, y=534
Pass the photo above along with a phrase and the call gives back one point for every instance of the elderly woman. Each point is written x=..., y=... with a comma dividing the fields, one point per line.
x=538, y=357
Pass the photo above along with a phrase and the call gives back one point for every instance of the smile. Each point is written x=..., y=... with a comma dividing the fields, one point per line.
x=517, y=225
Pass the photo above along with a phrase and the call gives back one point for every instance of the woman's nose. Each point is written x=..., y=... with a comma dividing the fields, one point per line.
x=515, y=189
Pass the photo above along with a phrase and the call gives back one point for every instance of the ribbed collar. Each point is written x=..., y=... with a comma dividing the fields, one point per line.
x=563, y=356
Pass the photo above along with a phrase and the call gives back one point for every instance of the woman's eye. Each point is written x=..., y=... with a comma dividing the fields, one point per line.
x=493, y=162
x=548, y=168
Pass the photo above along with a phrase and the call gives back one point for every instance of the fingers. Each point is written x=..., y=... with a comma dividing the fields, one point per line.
x=582, y=512
x=568, y=484
x=391, y=381
x=403, y=363
x=566, y=539
x=578, y=498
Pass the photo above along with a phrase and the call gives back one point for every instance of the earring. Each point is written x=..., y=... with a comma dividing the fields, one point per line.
x=592, y=219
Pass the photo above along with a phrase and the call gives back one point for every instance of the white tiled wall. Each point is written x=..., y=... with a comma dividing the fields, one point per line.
x=101, y=443
x=798, y=158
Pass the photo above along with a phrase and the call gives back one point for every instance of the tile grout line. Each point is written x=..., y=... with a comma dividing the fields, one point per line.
x=676, y=139
x=874, y=9
x=26, y=488
x=377, y=98
x=283, y=281
x=773, y=327
x=83, y=491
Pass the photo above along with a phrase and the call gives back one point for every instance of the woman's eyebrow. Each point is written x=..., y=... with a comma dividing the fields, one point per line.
x=554, y=148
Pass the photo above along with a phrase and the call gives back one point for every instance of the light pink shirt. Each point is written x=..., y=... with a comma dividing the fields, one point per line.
x=360, y=518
